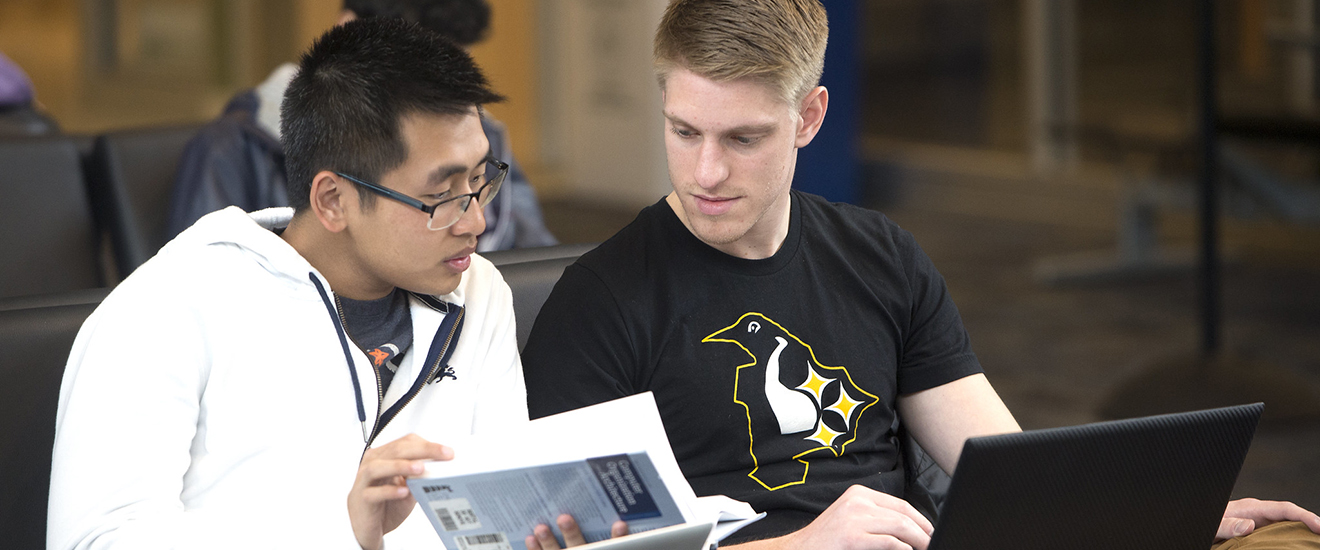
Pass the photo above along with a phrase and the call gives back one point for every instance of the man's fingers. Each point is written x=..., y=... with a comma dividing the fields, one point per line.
x=902, y=528
x=531, y=543
x=545, y=537
x=1264, y=512
x=381, y=472
x=412, y=447
x=888, y=542
x=911, y=513
x=899, y=505
x=384, y=493
x=569, y=527
x=619, y=529
x=1234, y=527
x=1312, y=521
x=1282, y=511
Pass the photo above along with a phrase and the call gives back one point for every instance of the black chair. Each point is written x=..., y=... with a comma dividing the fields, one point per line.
x=26, y=121
x=46, y=228
x=519, y=255
x=531, y=274
x=925, y=485
x=131, y=176
x=67, y=298
x=34, y=346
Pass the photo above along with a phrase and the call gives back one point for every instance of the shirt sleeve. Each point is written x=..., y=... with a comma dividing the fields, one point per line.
x=580, y=350
x=129, y=437
x=936, y=347
x=128, y=413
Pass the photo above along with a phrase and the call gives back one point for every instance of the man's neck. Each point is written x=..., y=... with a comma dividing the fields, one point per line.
x=760, y=242
x=329, y=254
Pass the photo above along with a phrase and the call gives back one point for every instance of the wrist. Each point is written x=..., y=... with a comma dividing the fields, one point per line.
x=378, y=544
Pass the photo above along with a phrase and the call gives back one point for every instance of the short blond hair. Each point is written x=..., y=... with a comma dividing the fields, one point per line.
x=780, y=43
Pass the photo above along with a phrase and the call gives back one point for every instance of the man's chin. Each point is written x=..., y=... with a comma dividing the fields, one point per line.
x=716, y=234
x=438, y=286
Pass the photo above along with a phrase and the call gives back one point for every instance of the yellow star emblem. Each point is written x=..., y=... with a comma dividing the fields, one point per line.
x=824, y=435
x=815, y=384
x=845, y=406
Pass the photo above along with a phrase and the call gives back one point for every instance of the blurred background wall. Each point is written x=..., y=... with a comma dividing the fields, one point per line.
x=1045, y=84
x=100, y=65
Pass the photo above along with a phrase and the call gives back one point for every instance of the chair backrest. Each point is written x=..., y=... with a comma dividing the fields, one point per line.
x=34, y=346
x=531, y=274
x=131, y=176
x=520, y=255
x=26, y=121
x=46, y=229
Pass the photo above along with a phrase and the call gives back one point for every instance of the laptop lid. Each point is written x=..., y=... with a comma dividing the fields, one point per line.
x=1158, y=482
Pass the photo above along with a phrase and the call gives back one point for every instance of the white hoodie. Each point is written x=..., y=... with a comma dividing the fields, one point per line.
x=209, y=402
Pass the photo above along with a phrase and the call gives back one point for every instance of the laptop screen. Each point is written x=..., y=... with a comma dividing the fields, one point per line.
x=1157, y=482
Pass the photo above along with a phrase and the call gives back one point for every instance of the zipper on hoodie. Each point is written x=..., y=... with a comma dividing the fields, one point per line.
x=380, y=391
x=453, y=322
x=450, y=328
x=336, y=318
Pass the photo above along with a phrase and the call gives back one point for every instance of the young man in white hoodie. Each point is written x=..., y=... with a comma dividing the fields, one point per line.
x=268, y=379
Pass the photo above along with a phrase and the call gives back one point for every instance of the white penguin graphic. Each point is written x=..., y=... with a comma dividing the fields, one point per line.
x=794, y=411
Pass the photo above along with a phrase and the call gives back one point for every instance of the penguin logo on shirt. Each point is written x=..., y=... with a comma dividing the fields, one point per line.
x=797, y=408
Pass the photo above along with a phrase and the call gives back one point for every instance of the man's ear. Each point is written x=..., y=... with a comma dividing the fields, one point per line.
x=812, y=115
x=328, y=200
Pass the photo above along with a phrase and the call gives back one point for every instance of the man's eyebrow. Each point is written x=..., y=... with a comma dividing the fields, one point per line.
x=674, y=118
x=439, y=175
x=753, y=129
x=737, y=130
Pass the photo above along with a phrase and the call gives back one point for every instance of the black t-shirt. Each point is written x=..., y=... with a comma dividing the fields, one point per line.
x=381, y=328
x=849, y=313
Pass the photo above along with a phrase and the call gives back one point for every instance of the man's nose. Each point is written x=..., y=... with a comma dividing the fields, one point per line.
x=472, y=221
x=711, y=167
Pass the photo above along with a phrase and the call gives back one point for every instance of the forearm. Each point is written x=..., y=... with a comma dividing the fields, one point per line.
x=942, y=418
x=777, y=543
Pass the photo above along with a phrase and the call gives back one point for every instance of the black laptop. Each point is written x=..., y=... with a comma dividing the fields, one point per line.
x=1159, y=482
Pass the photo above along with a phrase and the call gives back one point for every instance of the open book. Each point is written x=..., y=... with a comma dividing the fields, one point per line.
x=600, y=464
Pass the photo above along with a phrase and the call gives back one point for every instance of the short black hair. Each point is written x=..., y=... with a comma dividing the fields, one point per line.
x=463, y=21
x=343, y=110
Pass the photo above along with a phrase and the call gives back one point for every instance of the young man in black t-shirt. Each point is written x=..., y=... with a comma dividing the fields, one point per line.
x=784, y=337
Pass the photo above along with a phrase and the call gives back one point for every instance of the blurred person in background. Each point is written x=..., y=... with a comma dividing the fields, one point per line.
x=237, y=158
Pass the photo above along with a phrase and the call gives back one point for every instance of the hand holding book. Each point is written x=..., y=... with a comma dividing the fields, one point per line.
x=542, y=538
x=492, y=497
x=379, y=500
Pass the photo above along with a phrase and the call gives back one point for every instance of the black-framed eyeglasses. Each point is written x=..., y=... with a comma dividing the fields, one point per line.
x=446, y=212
